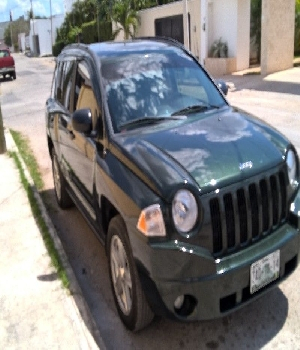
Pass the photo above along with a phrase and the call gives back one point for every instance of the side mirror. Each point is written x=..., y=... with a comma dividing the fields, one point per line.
x=82, y=120
x=222, y=86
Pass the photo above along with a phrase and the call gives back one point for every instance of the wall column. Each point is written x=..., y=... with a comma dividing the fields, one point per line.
x=204, y=31
x=277, y=38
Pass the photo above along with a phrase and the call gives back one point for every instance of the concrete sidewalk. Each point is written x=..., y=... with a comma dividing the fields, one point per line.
x=36, y=312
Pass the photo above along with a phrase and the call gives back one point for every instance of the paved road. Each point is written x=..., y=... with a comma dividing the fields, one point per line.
x=271, y=322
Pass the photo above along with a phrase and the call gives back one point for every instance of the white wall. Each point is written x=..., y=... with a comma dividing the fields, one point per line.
x=148, y=17
x=42, y=28
x=223, y=24
x=243, y=34
x=22, y=42
x=230, y=20
x=277, y=40
x=226, y=19
x=68, y=5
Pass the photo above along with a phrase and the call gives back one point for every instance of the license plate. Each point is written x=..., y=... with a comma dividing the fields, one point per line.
x=264, y=271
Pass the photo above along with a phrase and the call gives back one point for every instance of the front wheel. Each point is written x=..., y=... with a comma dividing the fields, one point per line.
x=62, y=196
x=129, y=297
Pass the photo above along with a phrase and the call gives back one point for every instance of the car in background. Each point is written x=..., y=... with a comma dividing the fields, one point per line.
x=7, y=64
x=196, y=202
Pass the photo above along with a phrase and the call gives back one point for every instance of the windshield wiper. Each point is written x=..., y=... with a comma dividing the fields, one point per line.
x=193, y=109
x=148, y=120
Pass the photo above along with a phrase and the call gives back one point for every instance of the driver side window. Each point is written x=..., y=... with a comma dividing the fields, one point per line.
x=84, y=94
x=190, y=84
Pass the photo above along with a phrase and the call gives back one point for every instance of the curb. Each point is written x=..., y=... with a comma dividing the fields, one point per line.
x=78, y=308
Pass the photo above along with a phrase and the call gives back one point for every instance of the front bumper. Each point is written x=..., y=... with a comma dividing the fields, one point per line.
x=212, y=287
x=7, y=70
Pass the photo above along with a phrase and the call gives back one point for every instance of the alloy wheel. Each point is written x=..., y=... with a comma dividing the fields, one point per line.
x=121, y=276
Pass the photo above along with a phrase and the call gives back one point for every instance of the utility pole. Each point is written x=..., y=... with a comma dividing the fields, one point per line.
x=51, y=25
x=32, y=18
x=33, y=33
x=11, y=33
x=2, y=137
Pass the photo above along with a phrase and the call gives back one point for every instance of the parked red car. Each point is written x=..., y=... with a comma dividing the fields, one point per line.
x=7, y=64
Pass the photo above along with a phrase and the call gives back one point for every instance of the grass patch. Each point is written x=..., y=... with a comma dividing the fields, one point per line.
x=28, y=157
x=32, y=165
x=252, y=73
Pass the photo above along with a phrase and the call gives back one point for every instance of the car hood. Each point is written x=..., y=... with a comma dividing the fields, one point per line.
x=208, y=151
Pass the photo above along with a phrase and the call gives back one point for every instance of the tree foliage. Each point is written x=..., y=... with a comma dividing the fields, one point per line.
x=14, y=28
x=126, y=18
x=82, y=12
x=255, y=26
x=124, y=13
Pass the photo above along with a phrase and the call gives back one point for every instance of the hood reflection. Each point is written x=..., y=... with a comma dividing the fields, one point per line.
x=208, y=150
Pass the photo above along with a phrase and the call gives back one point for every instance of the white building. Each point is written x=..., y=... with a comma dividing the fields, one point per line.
x=68, y=5
x=199, y=23
x=41, y=39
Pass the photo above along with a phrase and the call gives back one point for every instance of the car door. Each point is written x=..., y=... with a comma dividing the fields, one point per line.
x=59, y=109
x=64, y=109
x=82, y=151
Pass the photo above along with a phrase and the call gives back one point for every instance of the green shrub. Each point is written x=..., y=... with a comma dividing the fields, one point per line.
x=74, y=35
x=90, y=32
x=105, y=31
x=219, y=48
x=57, y=47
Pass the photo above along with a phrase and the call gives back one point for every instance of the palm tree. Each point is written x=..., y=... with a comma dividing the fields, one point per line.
x=126, y=18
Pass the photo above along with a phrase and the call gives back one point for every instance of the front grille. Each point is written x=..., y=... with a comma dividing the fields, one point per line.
x=249, y=213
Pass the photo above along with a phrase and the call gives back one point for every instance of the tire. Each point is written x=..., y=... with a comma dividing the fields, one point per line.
x=129, y=297
x=60, y=184
x=14, y=76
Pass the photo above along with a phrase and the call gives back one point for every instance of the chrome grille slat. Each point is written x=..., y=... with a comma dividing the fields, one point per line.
x=243, y=217
x=265, y=205
x=275, y=199
x=283, y=192
x=216, y=224
x=230, y=220
x=255, y=210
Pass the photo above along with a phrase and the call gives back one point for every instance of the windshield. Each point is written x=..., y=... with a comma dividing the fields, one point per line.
x=156, y=84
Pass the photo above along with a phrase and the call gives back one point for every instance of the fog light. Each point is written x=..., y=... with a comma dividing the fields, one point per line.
x=184, y=305
x=179, y=302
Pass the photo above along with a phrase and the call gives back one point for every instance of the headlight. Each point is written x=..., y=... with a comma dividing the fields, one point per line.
x=184, y=211
x=151, y=221
x=292, y=166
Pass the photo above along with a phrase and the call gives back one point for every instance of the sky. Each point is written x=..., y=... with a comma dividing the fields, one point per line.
x=21, y=7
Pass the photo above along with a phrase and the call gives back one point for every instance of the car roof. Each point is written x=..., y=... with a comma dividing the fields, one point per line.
x=112, y=48
x=135, y=44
